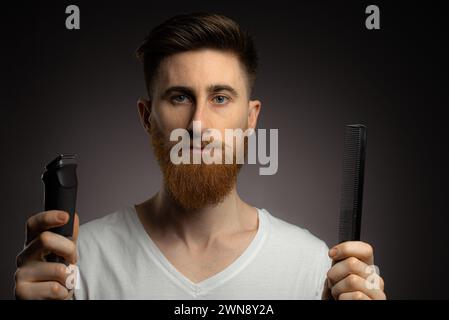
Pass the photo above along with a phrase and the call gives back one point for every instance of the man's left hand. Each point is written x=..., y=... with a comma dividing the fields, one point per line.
x=353, y=275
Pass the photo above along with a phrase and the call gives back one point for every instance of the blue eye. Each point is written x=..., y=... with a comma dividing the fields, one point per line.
x=220, y=99
x=182, y=98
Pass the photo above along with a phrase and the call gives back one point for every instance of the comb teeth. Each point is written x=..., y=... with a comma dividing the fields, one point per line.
x=352, y=186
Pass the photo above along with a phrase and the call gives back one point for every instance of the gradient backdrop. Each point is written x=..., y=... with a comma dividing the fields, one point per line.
x=320, y=69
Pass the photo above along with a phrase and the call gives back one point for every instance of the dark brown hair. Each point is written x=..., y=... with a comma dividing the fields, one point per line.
x=196, y=31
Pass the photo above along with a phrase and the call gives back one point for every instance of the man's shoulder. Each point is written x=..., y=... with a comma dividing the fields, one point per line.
x=113, y=224
x=292, y=236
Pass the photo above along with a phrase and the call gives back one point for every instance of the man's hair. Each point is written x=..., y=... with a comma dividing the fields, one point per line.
x=192, y=32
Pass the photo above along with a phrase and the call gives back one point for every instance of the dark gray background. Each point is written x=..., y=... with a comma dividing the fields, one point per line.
x=320, y=69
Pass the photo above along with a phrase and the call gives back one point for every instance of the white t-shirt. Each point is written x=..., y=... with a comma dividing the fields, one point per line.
x=118, y=260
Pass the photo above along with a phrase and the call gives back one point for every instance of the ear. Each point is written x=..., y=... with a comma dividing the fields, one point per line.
x=144, y=109
x=253, y=114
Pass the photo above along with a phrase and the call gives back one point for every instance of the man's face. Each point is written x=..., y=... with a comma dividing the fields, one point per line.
x=205, y=85
x=209, y=86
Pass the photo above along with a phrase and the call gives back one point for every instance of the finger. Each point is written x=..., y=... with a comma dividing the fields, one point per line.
x=38, y=271
x=355, y=283
x=44, y=221
x=48, y=242
x=361, y=250
x=326, y=294
x=76, y=226
x=348, y=266
x=356, y=295
x=41, y=290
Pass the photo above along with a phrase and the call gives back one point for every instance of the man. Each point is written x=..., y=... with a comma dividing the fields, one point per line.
x=196, y=238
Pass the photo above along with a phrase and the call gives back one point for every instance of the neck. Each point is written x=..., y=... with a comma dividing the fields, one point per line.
x=162, y=217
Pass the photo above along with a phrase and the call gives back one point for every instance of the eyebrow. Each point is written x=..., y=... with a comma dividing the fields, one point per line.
x=181, y=89
x=222, y=87
x=210, y=89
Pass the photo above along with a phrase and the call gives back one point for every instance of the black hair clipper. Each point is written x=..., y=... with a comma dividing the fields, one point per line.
x=352, y=186
x=60, y=187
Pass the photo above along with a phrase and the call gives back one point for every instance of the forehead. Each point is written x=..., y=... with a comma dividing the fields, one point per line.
x=201, y=68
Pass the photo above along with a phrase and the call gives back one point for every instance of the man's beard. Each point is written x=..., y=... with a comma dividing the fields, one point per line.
x=193, y=186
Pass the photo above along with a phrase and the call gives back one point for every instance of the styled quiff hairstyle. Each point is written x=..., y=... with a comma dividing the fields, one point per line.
x=192, y=32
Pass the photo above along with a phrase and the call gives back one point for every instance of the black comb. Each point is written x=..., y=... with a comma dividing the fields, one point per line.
x=352, y=187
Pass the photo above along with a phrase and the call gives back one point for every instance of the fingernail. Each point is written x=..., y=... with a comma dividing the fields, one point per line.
x=333, y=252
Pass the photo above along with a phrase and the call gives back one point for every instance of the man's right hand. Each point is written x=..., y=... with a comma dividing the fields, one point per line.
x=35, y=278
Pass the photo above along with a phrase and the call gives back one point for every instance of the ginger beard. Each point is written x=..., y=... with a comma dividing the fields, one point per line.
x=193, y=186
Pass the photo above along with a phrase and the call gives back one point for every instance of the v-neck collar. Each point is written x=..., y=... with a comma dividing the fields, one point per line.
x=202, y=287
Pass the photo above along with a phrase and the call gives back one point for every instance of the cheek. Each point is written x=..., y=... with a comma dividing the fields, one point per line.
x=233, y=118
x=238, y=120
x=170, y=118
x=241, y=118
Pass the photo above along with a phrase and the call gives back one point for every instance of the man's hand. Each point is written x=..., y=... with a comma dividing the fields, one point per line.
x=36, y=278
x=352, y=276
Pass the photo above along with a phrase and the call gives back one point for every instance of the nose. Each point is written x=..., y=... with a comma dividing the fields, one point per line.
x=200, y=113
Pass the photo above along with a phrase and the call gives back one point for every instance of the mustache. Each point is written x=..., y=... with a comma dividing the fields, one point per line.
x=203, y=144
x=199, y=143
